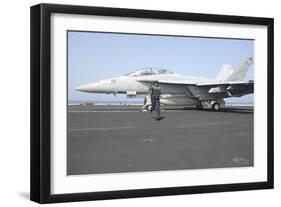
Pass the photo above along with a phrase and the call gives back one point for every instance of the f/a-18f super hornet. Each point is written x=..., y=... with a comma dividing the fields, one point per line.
x=178, y=90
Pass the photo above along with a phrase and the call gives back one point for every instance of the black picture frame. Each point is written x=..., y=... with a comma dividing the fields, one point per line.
x=40, y=184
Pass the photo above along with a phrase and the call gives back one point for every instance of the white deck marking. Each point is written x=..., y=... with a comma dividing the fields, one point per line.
x=102, y=129
x=204, y=124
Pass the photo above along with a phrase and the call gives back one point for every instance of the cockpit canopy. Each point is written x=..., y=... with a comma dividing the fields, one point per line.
x=148, y=71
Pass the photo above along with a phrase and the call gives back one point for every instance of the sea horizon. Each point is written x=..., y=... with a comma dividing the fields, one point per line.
x=140, y=102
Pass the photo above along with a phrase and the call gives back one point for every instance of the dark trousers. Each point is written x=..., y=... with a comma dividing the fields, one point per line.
x=155, y=102
x=152, y=103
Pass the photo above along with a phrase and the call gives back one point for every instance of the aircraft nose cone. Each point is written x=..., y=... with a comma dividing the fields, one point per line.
x=83, y=88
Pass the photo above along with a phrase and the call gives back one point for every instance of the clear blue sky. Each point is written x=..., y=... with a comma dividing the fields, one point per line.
x=94, y=56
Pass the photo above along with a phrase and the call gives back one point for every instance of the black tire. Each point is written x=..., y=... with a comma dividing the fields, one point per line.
x=216, y=106
x=148, y=107
x=199, y=107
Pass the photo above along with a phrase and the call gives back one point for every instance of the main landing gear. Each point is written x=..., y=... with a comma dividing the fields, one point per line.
x=214, y=105
x=199, y=106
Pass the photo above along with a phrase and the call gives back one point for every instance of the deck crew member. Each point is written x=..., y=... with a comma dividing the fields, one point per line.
x=155, y=93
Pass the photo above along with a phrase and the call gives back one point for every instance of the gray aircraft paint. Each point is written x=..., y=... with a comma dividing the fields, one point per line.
x=178, y=89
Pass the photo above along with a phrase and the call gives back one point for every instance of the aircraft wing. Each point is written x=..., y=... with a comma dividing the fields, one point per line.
x=226, y=83
x=203, y=84
x=171, y=82
x=215, y=88
x=232, y=88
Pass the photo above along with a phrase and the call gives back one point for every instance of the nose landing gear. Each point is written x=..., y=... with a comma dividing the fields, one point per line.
x=147, y=104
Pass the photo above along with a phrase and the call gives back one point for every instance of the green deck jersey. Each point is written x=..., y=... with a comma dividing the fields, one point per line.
x=155, y=91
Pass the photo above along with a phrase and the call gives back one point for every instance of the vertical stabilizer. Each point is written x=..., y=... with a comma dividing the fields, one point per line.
x=225, y=72
x=240, y=74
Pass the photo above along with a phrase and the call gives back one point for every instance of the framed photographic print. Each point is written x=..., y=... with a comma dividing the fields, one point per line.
x=133, y=103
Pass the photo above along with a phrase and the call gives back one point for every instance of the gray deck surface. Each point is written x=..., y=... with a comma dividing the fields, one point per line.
x=114, y=139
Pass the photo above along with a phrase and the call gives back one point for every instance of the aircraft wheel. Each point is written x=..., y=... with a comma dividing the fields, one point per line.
x=199, y=106
x=148, y=107
x=216, y=106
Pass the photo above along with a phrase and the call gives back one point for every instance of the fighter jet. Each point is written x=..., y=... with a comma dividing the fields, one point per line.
x=178, y=90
